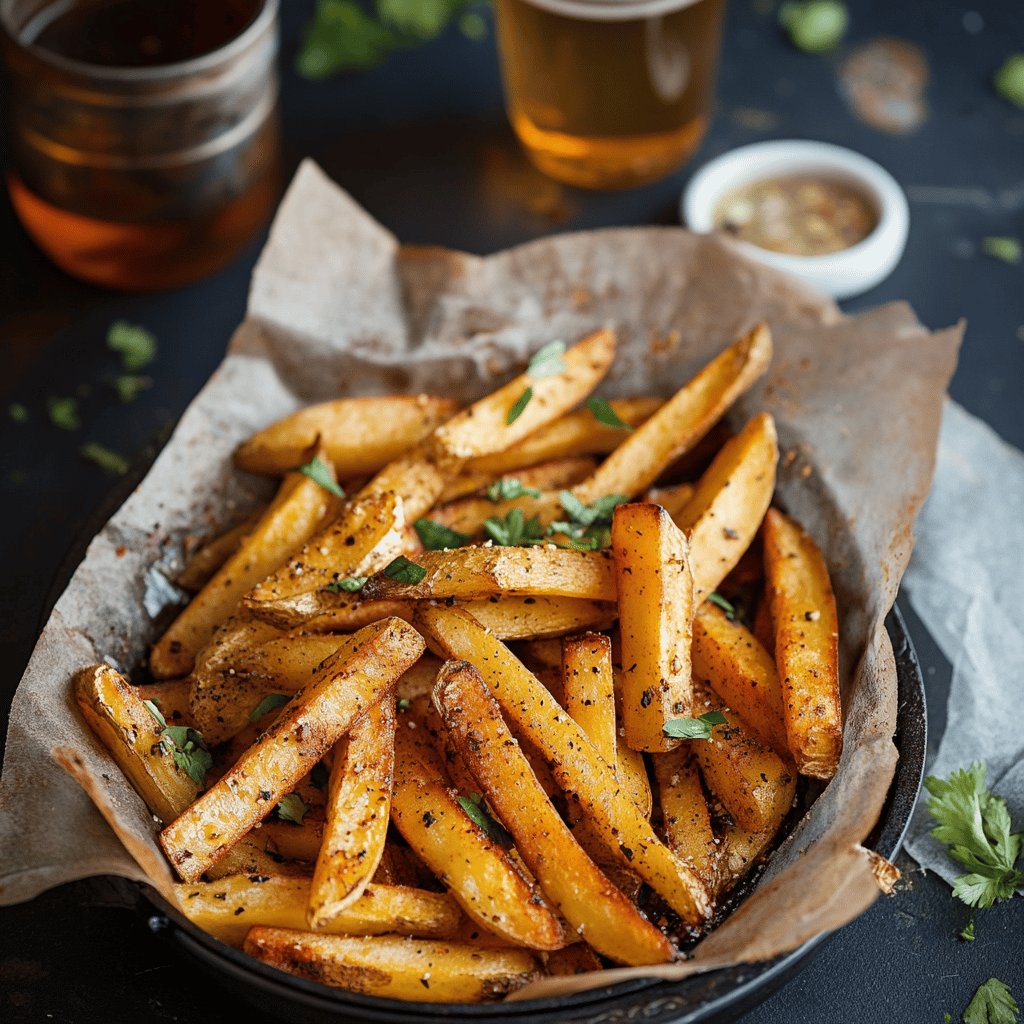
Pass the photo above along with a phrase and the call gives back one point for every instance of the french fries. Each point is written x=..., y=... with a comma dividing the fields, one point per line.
x=685, y=815
x=588, y=689
x=213, y=554
x=420, y=970
x=803, y=610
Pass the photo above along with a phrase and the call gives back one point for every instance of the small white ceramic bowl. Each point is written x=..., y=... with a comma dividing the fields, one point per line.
x=839, y=274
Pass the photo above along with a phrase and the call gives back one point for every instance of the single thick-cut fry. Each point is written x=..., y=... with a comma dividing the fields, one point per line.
x=754, y=783
x=419, y=970
x=478, y=872
x=729, y=659
x=731, y=498
x=517, y=618
x=631, y=771
x=587, y=899
x=803, y=609
x=481, y=572
x=358, y=809
x=483, y=428
x=131, y=733
x=213, y=554
x=655, y=623
x=229, y=907
x=345, y=687
x=415, y=476
x=684, y=812
x=360, y=435
x=588, y=689
x=368, y=534
x=576, y=433
x=682, y=421
x=292, y=518
x=577, y=766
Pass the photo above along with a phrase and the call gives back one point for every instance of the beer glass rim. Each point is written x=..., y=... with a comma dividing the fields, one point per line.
x=266, y=16
x=610, y=10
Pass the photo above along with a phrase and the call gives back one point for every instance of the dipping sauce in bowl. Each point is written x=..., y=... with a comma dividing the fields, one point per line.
x=799, y=214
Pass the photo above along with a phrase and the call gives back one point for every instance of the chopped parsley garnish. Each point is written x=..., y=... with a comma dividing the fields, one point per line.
x=694, y=728
x=604, y=413
x=514, y=529
x=319, y=472
x=109, y=461
x=292, y=808
x=189, y=751
x=130, y=385
x=967, y=934
x=405, y=571
x=63, y=412
x=547, y=361
x=136, y=345
x=474, y=807
x=348, y=585
x=974, y=825
x=993, y=1003
x=271, y=702
x=436, y=536
x=518, y=406
x=510, y=488
x=600, y=511
x=17, y=412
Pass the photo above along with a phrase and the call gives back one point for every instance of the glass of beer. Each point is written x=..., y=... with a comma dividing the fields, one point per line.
x=144, y=133
x=607, y=94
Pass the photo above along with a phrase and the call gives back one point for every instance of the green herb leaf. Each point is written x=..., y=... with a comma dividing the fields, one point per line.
x=600, y=511
x=292, y=808
x=727, y=606
x=974, y=825
x=514, y=529
x=436, y=536
x=967, y=934
x=580, y=538
x=547, y=361
x=404, y=703
x=604, y=413
x=319, y=472
x=269, y=703
x=342, y=37
x=135, y=344
x=155, y=711
x=63, y=412
x=694, y=728
x=518, y=406
x=947, y=1018
x=17, y=412
x=348, y=585
x=474, y=807
x=1009, y=80
x=109, y=461
x=130, y=385
x=1006, y=249
x=510, y=488
x=814, y=26
x=992, y=1004
x=405, y=571
x=189, y=751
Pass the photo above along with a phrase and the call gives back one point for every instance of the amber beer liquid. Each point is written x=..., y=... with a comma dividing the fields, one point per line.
x=144, y=133
x=609, y=95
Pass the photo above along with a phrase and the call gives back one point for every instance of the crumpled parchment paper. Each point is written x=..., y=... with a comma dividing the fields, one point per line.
x=337, y=307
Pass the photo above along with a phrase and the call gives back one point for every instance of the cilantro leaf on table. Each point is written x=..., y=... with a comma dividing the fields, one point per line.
x=136, y=345
x=436, y=536
x=993, y=1003
x=974, y=825
x=474, y=807
x=699, y=728
x=510, y=488
x=320, y=473
x=109, y=461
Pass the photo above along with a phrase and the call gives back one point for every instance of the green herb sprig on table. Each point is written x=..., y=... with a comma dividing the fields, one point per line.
x=993, y=1003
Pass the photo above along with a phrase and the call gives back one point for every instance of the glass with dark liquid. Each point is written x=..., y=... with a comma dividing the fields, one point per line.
x=144, y=132
x=605, y=93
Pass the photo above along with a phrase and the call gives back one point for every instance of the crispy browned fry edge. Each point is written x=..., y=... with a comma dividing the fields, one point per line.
x=685, y=814
x=587, y=899
x=131, y=733
x=314, y=720
x=358, y=811
x=419, y=970
x=578, y=768
x=803, y=609
x=655, y=623
x=214, y=553
x=360, y=435
x=477, y=871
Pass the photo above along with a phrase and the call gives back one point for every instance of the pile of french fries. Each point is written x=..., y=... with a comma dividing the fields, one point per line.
x=489, y=693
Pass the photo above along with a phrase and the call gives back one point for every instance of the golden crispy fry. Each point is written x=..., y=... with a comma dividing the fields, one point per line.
x=287, y=524
x=478, y=872
x=684, y=811
x=803, y=609
x=229, y=907
x=575, y=433
x=739, y=850
x=415, y=476
x=131, y=733
x=314, y=720
x=587, y=899
x=672, y=499
x=682, y=421
x=422, y=971
x=546, y=476
x=588, y=689
x=358, y=809
x=754, y=783
x=367, y=535
x=655, y=623
x=728, y=657
x=631, y=771
x=578, y=768
x=481, y=572
x=731, y=498
x=483, y=428
x=213, y=554
x=171, y=698
x=578, y=958
x=360, y=435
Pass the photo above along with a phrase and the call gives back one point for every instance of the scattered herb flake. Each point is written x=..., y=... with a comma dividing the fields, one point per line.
x=599, y=511
x=992, y=1004
x=968, y=932
x=1006, y=249
x=189, y=751
x=320, y=473
x=63, y=412
x=269, y=703
x=292, y=808
x=130, y=385
x=405, y=571
x=348, y=585
x=694, y=728
x=547, y=361
x=108, y=460
x=136, y=345
x=727, y=606
x=474, y=807
x=1009, y=80
x=814, y=26
x=404, y=703
x=436, y=536
x=510, y=488
x=518, y=406
x=604, y=413
x=514, y=529
x=17, y=412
